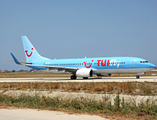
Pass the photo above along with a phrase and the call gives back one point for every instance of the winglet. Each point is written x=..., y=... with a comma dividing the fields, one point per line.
x=16, y=61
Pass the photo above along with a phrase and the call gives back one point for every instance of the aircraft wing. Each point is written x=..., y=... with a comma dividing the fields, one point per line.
x=67, y=69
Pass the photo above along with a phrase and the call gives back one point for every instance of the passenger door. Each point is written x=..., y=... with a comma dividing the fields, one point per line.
x=132, y=63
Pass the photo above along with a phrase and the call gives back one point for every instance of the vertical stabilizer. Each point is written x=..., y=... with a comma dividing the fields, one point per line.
x=30, y=52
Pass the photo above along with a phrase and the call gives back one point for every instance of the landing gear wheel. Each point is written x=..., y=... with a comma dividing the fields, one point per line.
x=73, y=77
x=85, y=77
x=137, y=77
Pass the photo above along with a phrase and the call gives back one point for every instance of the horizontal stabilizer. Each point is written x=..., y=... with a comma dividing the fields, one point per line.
x=17, y=62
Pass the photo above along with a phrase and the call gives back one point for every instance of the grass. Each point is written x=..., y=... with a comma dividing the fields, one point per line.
x=146, y=110
x=129, y=88
x=27, y=74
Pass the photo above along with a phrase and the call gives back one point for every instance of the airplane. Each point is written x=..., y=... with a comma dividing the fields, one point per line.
x=83, y=67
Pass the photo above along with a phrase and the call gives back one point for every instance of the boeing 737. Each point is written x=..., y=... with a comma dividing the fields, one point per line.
x=84, y=67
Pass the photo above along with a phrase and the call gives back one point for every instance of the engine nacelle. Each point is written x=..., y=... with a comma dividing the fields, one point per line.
x=84, y=73
x=103, y=74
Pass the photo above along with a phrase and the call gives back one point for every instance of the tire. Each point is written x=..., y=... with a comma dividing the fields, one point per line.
x=137, y=77
x=73, y=77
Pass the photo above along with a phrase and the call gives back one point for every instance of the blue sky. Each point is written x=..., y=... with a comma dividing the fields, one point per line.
x=78, y=28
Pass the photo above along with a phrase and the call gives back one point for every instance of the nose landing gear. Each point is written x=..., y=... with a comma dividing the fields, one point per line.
x=137, y=77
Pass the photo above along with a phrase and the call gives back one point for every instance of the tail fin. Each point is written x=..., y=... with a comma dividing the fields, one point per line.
x=30, y=52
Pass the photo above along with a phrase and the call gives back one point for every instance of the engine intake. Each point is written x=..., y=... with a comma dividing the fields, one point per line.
x=84, y=73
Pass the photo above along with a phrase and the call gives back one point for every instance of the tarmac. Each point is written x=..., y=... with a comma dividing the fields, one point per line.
x=34, y=114
x=103, y=79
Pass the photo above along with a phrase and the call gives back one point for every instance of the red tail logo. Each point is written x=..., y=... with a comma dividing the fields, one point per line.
x=27, y=53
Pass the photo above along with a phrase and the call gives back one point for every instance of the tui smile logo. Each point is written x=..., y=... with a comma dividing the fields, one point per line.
x=86, y=65
x=29, y=55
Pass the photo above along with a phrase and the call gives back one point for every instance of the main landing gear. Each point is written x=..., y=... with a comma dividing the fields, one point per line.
x=85, y=77
x=73, y=77
x=137, y=77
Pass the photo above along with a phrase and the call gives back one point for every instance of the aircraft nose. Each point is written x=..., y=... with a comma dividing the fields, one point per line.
x=152, y=65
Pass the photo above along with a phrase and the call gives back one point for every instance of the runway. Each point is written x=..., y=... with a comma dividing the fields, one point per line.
x=34, y=114
x=104, y=79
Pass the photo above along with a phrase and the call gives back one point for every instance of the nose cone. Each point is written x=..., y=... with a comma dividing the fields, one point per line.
x=152, y=65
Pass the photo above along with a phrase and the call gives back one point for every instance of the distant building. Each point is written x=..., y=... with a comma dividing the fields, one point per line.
x=3, y=71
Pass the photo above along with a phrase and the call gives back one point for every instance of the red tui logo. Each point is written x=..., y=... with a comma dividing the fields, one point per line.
x=86, y=65
x=28, y=54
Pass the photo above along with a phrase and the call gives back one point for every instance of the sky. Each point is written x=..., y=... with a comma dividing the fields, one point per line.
x=77, y=28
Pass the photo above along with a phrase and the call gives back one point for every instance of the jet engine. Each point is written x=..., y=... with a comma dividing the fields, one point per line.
x=84, y=73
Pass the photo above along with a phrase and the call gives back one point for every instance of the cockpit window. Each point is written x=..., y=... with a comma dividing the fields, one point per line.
x=143, y=61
